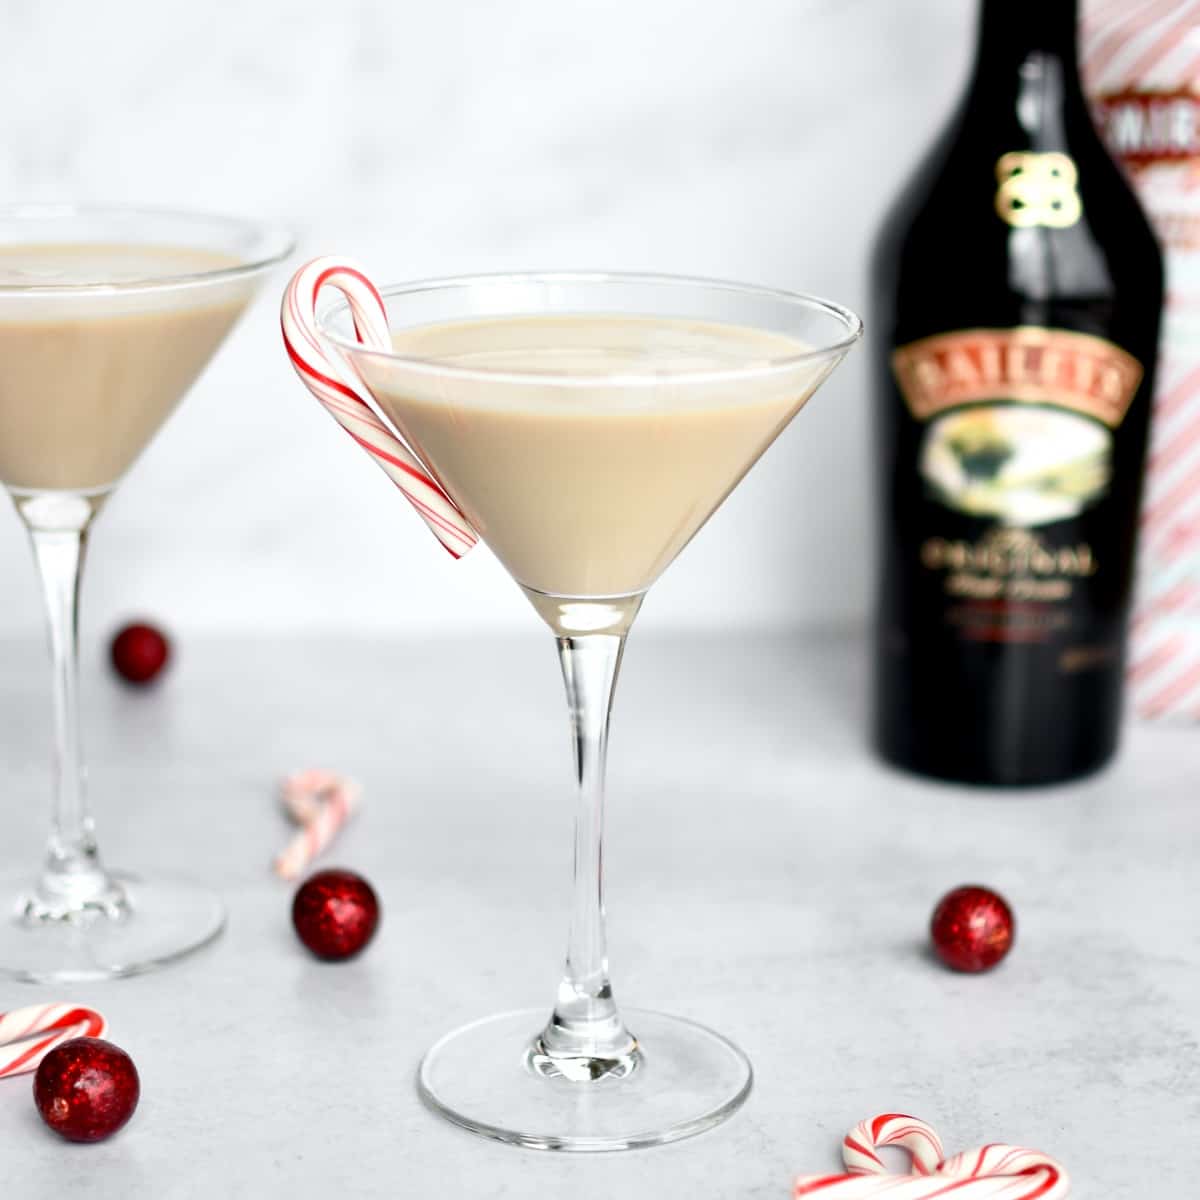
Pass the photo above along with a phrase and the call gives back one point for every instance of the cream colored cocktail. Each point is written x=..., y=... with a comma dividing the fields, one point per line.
x=581, y=484
x=84, y=386
x=586, y=426
x=107, y=316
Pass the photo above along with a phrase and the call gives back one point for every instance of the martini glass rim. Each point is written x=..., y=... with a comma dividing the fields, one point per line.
x=271, y=244
x=757, y=368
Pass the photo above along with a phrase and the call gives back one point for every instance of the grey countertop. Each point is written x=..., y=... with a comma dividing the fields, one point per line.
x=765, y=876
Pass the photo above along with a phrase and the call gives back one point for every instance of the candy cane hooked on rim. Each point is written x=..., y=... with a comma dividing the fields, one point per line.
x=22, y=1044
x=340, y=395
x=322, y=802
x=1003, y=1172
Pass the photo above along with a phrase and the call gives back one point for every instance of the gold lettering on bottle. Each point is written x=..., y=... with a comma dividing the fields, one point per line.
x=928, y=375
x=1019, y=364
x=1110, y=384
x=1055, y=365
x=1041, y=561
x=1024, y=365
x=990, y=369
x=959, y=368
x=1037, y=189
x=1008, y=564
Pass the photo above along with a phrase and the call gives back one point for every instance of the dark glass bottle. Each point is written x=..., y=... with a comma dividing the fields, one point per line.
x=1019, y=289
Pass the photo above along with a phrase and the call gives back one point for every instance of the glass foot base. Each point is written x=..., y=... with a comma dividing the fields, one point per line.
x=484, y=1078
x=159, y=921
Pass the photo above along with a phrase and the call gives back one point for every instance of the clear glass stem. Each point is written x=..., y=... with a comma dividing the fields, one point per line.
x=585, y=1037
x=73, y=881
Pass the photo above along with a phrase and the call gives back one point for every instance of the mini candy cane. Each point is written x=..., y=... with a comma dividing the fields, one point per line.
x=891, y=1129
x=303, y=792
x=20, y=1052
x=322, y=802
x=338, y=392
x=1003, y=1172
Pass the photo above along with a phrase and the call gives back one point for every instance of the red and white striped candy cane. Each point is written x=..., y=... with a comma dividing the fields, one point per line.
x=322, y=802
x=921, y=1142
x=303, y=792
x=331, y=383
x=994, y=1171
x=27, y=1035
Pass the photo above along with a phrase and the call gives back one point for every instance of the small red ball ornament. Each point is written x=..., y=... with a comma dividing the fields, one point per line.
x=139, y=653
x=335, y=913
x=86, y=1089
x=972, y=929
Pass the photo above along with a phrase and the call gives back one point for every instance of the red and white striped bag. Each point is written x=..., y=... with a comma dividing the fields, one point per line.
x=1141, y=66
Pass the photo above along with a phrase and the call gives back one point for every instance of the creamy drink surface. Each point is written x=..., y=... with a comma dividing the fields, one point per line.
x=585, y=483
x=86, y=378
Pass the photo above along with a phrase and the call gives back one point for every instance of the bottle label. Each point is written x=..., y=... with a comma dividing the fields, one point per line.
x=1156, y=135
x=1018, y=435
x=1147, y=127
x=1025, y=365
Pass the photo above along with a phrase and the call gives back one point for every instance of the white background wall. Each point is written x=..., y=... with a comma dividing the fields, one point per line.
x=758, y=140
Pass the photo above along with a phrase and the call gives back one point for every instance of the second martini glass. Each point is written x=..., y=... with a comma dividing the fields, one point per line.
x=107, y=315
x=587, y=426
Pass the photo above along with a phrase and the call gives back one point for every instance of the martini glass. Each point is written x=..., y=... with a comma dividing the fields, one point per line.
x=107, y=315
x=588, y=426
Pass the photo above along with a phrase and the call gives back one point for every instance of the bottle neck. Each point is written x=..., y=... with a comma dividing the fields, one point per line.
x=1025, y=61
x=1012, y=30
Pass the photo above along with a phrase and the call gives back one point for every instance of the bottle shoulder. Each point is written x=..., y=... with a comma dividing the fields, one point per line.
x=965, y=240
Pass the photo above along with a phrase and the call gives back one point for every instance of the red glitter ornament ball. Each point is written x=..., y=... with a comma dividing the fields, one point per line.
x=972, y=928
x=139, y=653
x=335, y=913
x=86, y=1089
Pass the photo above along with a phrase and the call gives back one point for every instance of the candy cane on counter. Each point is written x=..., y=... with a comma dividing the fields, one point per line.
x=994, y=1171
x=22, y=1044
x=303, y=792
x=921, y=1142
x=321, y=802
x=339, y=393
